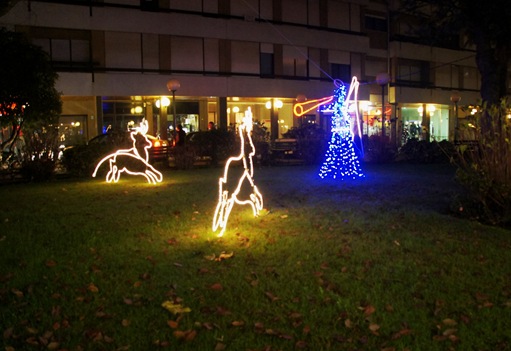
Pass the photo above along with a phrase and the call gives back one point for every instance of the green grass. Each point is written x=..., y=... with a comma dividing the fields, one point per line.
x=372, y=264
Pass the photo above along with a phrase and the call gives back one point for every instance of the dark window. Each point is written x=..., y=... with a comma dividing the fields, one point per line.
x=376, y=23
x=342, y=72
x=149, y=5
x=266, y=65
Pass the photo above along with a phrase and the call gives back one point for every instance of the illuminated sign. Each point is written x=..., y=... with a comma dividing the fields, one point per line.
x=138, y=164
x=227, y=199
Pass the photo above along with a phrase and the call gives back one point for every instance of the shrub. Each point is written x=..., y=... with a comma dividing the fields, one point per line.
x=422, y=151
x=485, y=171
x=311, y=142
x=377, y=150
x=40, y=152
x=80, y=160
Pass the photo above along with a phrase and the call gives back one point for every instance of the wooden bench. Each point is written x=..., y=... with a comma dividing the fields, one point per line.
x=285, y=151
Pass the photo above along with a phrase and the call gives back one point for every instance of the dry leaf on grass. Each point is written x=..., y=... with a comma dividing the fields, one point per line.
x=175, y=308
x=216, y=287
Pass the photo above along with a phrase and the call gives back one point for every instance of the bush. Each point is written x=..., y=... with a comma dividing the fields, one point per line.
x=377, y=150
x=81, y=160
x=485, y=171
x=311, y=142
x=422, y=151
x=216, y=145
x=40, y=152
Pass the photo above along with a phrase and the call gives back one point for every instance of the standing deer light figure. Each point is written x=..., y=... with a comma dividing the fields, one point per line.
x=139, y=164
x=226, y=199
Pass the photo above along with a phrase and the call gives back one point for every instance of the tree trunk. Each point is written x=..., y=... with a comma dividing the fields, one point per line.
x=492, y=63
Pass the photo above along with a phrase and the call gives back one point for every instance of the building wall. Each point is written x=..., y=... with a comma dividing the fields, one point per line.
x=126, y=48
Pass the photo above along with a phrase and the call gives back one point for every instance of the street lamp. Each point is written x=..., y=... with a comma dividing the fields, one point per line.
x=455, y=97
x=382, y=79
x=173, y=85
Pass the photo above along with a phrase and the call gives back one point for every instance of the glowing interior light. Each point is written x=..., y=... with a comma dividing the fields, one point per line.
x=341, y=160
x=302, y=108
x=139, y=164
x=227, y=198
x=163, y=102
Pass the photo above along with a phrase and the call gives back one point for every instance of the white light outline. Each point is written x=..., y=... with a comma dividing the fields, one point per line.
x=226, y=202
x=151, y=174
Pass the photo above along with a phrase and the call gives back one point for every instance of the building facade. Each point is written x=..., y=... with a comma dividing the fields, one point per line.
x=195, y=61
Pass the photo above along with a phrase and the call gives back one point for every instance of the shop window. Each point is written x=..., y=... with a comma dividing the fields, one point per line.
x=71, y=130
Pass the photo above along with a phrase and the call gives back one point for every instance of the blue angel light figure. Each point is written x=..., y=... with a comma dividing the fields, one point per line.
x=341, y=160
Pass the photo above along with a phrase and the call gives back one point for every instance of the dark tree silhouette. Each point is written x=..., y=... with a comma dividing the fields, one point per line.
x=483, y=24
x=28, y=97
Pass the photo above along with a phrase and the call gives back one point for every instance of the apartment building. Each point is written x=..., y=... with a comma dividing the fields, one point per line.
x=195, y=61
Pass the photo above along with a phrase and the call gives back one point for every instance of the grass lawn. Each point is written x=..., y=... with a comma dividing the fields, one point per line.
x=371, y=264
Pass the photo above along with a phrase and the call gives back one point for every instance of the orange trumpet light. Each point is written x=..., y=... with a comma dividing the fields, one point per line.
x=304, y=107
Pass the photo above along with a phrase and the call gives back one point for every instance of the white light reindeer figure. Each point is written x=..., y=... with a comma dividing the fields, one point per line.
x=139, y=164
x=227, y=199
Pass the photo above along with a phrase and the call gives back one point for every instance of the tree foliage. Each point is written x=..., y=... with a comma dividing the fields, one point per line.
x=28, y=98
x=485, y=170
x=484, y=24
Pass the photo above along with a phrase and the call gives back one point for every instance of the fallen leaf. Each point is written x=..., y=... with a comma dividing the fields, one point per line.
x=449, y=322
x=450, y=331
x=125, y=322
x=374, y=327
x=348, y=324
x=32, y=330
x=224, y=256
x=187, y=335
x=216, y=287
x=220, y=347
x=238, y=323
x=51, y=263
x=8, y=333
x=368, y=310
x=175, y=308
x=173, y=324
x=301, y=344
x=179, y=334
x=271, y=296
x=401, y=333
x=17, y=292
x=93, y=288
